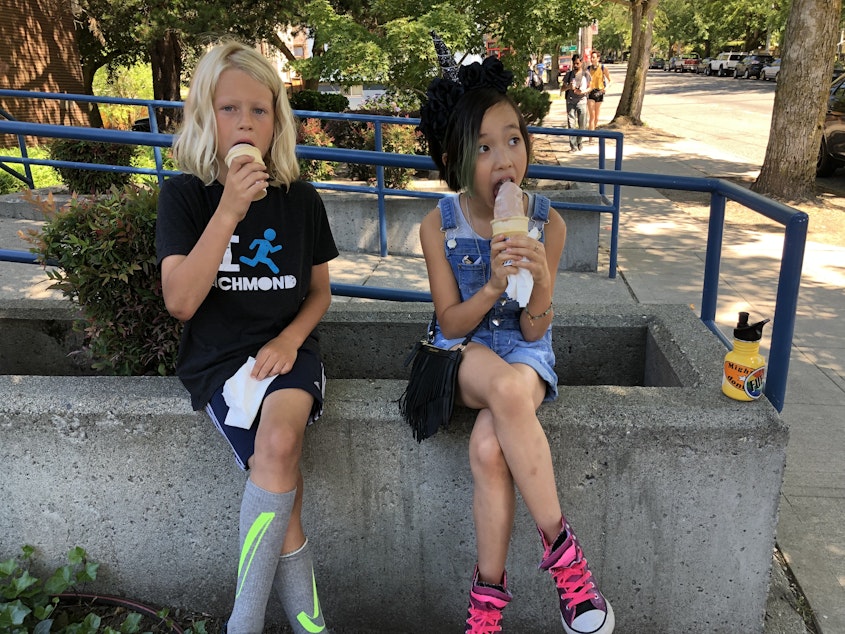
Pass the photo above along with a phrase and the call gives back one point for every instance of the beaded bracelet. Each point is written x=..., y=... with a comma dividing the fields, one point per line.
x=531, y=317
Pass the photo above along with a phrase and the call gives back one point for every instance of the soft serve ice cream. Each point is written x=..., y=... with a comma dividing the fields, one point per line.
x=508, y=216
x=241, y=149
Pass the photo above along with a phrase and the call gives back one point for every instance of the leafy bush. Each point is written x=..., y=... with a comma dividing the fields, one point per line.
x=318, y=101
x=534, y=104
x=9, y=183
x=311, y=132
x=397, y=103
x=92, y=181
x=358, y=135
x=106, y=262
x=30, y=604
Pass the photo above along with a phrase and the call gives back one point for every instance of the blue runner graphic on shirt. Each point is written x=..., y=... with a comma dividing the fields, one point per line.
x=263, y=248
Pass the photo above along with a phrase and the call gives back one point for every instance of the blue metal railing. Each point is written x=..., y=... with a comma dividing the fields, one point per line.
x=794, y=222
x=380, y=190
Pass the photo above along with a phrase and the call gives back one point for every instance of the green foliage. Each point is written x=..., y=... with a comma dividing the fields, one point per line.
x=397, y=138
x=534, y=104
x=91, y=181
x=130, y=82
x=397, y=103
x=42, y=175
x=9, y=183
x=27, y=603
x=104, y=248
x=311, y=132
x=318, y=101
x=31, y=604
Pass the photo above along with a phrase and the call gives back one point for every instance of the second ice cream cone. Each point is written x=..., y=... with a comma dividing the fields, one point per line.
x=510, y=226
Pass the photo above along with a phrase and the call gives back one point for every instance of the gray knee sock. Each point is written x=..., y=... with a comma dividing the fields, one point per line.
x=264, y=522
x=297, y=590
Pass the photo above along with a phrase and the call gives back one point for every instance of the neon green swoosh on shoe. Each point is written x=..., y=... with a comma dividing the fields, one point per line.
x=313, y=623
x=251, y=544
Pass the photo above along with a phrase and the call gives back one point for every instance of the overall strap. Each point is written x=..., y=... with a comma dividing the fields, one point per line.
x=448, y=219
x=541, y=208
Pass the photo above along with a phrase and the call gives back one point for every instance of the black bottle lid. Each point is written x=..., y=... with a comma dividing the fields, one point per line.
x=748, y=332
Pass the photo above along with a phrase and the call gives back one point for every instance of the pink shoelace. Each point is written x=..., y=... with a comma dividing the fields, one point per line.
x=576, y=581
x=483, y=621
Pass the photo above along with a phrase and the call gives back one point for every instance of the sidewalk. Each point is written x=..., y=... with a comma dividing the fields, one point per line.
x=661, y=260
x=661, y=255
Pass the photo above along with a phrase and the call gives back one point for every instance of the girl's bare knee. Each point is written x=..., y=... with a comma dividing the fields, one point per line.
x=486, y=457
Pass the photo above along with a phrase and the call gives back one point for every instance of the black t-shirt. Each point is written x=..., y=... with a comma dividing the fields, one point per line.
x=261, y=283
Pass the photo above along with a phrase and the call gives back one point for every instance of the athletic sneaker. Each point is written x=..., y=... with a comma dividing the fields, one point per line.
x=583, y=609
x=486, y=602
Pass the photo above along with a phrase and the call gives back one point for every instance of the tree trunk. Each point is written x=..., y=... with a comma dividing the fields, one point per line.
x=95, y=119
x=630, y=105
x=166, y=62
x=789, y=169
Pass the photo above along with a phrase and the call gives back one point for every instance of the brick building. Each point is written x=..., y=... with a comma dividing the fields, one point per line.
x=38, y=52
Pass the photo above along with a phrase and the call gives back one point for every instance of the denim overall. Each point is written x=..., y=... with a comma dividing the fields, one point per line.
x=469, y=257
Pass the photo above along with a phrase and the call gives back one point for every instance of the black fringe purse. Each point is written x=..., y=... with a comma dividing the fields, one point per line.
x=428, y=400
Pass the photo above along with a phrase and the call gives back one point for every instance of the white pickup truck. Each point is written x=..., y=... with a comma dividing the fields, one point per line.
x=723, y=64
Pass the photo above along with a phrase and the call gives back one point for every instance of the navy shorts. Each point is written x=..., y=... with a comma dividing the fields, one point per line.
x=307, y=374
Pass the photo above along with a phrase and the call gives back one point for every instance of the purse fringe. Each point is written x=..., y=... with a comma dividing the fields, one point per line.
x=429, y=398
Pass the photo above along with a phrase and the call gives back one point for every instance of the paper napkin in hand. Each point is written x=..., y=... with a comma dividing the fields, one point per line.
x=243, y=395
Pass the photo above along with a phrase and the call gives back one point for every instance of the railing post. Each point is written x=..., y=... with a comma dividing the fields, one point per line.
x=712, y=262
x=382, y=213
x=786, y=305
x=151, y=114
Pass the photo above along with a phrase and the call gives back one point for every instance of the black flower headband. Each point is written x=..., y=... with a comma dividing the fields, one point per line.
x=444, y=92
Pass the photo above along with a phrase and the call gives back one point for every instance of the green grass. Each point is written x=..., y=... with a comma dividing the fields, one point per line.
x=42, y=176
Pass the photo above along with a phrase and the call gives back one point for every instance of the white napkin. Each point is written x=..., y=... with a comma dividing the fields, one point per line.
x=520, y=286
x=243, y=395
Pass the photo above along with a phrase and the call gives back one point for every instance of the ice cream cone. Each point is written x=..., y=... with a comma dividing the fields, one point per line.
x=241, y=149
x=510, y=226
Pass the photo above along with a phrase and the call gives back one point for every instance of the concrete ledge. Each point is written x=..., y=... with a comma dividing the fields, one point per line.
x=672, y=489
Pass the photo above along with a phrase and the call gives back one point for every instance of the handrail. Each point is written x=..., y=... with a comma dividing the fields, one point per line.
x=795, y=222
x=157, y=141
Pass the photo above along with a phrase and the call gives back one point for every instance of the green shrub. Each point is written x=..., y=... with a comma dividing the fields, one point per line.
x=92, y=181
x=106, y=262
x=398, y=103
x=357, y=135
x=534, y=104
x=31, y=604
x=318, y=101
x=9, y=183
x=311, y=132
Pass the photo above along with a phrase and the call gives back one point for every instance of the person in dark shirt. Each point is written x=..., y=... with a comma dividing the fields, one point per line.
x=244, y=247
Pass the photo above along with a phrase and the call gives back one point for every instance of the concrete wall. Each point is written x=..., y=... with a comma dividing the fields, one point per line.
x=354, y=220
x=671, y=487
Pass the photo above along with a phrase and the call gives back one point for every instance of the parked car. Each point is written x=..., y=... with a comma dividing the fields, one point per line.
x=657, y=62
x=564, y=64
x=670, y=63
x=723, y=64
x=751, y=65
x=771, y=71
x=832, y=147
x=702, y=64
x=684, y=63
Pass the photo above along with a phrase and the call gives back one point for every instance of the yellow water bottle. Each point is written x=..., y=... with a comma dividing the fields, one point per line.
x=745, y=368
